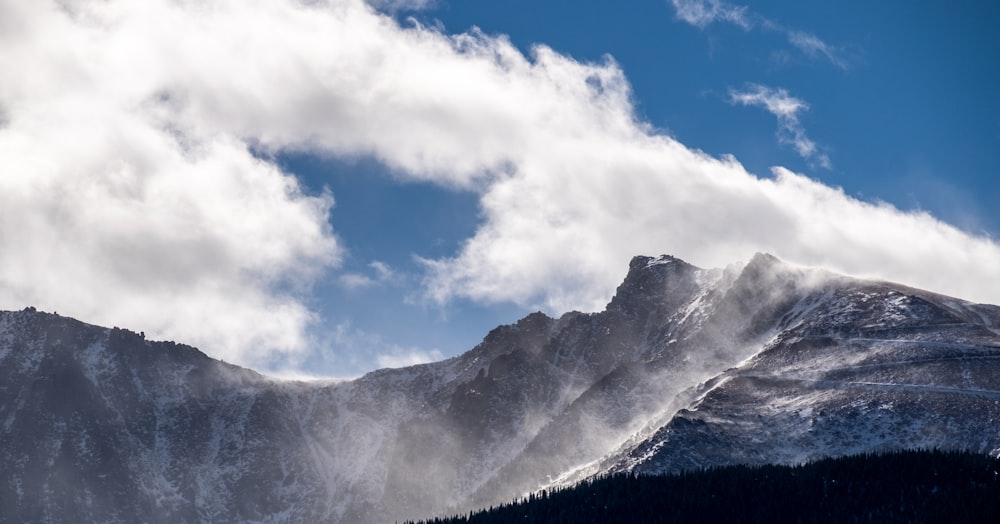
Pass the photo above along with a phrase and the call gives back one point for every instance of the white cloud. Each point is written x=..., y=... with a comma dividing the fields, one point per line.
x=383, y=274
x=356, y=281
x=786, y=108
x=112, y=213
x=401, y=5
x=401, y=358
x=702, y=13
x=136, y=188
x=654, y=195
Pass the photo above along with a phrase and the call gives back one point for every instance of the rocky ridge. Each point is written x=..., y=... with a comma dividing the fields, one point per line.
x=756, y=363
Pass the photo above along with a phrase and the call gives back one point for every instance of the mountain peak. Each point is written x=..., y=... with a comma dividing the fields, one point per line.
x=760, y=264
x=764, y=259
x=642, y=262
x=651, y=281
x=645, y=262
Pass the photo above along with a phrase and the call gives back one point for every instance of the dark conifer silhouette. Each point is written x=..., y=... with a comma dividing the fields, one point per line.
x=908, y=486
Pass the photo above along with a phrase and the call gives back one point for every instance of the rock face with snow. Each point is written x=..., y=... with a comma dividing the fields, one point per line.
x=686, y=368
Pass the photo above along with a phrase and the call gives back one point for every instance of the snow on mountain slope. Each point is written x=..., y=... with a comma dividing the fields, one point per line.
x=758, y=362
x=871, y=366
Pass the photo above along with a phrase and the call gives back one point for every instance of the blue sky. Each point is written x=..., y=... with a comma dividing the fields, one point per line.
x=323, y=189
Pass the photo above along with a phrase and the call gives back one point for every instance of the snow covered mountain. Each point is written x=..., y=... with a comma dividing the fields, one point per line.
x=759, y=362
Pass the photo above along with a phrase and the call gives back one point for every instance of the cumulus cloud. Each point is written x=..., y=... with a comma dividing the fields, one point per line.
x=112, y=212
x=786, y=109
x=137, y=188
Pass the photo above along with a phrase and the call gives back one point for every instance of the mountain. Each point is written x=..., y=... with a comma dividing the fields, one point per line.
x=762, y=362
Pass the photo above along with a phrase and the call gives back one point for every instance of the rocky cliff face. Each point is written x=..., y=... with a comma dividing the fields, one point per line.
x=760, y=362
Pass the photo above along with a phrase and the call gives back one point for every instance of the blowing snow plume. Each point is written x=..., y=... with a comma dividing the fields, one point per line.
x=139, y=186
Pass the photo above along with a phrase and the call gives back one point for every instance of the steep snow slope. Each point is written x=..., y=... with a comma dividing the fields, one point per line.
x=686, y=367
x=855, y=367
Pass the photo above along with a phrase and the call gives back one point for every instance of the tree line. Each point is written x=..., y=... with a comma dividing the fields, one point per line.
x=905, y=486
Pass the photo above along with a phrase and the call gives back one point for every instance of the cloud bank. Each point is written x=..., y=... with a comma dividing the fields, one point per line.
x=137, y=189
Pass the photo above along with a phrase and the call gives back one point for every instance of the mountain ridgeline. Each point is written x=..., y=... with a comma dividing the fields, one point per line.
x=686, y=368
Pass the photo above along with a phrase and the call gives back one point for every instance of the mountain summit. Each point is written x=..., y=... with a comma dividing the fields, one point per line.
x=762, y=362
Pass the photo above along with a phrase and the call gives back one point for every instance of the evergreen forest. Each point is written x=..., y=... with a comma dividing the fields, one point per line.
x=907, y=486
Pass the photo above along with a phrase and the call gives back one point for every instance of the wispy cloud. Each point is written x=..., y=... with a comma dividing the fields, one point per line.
x=401, y=357
x=812, y=46
x=382, y=274
x=786, y=109
x=353, y=351
x=702, y=13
